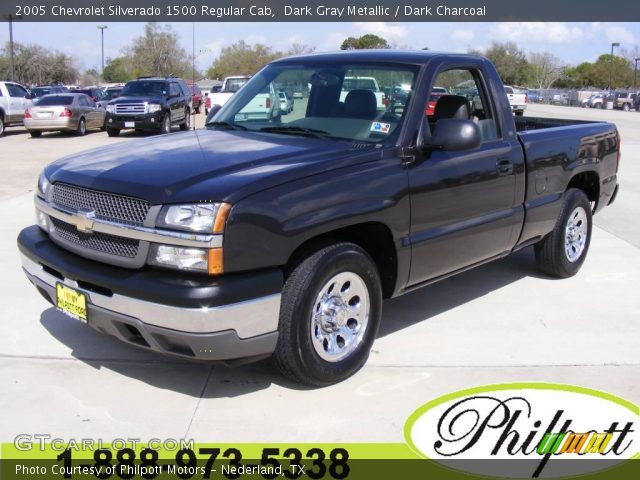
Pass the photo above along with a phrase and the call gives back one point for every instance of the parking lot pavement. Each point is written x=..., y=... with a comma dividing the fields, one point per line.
x=501, y=322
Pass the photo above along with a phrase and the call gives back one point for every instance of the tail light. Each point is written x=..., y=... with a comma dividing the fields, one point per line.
x=66, y=113
x=208, y=102
x=27, y=114
x=385, y=100
x=267, y=104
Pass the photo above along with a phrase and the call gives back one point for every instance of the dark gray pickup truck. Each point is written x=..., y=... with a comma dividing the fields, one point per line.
x=255, y=238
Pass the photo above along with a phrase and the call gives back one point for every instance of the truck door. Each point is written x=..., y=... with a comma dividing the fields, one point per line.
x=17, y=102
x=176, y=102
x=463, y=204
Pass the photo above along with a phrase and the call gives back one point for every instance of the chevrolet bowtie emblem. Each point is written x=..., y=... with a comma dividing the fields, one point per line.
x=84, y=221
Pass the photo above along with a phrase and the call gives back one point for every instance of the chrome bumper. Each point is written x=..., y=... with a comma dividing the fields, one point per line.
x=247, y=319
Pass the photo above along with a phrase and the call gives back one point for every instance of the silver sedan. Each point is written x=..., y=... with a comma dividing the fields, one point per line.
x=70, y=112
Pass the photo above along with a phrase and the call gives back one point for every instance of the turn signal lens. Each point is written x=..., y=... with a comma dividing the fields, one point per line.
x=215, y=261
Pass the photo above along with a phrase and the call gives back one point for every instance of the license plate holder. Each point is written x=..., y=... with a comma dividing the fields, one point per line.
x=71, y=302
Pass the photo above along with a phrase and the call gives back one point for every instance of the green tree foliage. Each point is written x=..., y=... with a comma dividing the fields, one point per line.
x=597, y=74
x=118, y=70
x=510, y=61
x=158, y=52
x=33, y=64
x=364, y=42
x=241, y=58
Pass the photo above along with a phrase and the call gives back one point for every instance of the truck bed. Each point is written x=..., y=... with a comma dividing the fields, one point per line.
x=525, y=124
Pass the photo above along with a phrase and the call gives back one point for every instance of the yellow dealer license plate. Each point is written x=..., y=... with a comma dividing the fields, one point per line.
x=71, y=302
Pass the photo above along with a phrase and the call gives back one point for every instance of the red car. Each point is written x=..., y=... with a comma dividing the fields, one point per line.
x=431, y=104
x=196, y=99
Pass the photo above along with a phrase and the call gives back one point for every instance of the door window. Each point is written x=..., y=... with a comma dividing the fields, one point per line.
x=16, y=90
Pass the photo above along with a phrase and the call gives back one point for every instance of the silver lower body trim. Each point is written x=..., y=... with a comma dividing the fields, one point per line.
x=248, y=319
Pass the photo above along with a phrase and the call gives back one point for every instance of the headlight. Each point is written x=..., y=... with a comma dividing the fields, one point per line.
x=189, y=259
x=154, y=107
x=111, y=108
x=202, y=217
x=43, y=186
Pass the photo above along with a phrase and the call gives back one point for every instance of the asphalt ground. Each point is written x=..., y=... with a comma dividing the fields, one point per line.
x=502, y=322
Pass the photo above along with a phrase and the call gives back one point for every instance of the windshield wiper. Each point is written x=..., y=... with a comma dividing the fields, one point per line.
x=227, y=125
x=293, y=130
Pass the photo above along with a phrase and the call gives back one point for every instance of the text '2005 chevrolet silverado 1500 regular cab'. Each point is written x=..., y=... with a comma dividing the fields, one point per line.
x=250, y=239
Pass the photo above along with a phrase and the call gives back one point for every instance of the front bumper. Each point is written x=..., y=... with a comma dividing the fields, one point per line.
x=215, y=319
x=143, y=121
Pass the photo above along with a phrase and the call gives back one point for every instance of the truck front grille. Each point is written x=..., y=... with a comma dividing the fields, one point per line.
x=100, y=242
x=107, y=206
x=131, y=108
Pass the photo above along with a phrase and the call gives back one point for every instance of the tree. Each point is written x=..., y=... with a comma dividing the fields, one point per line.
x=364, y=42
x=90, y=77
x=597, y=74
x=158, y=52
x=241, y=58
x=33, y=64
x=298, y=48
x=510, y=61
x=118, y=70
x=546, y=69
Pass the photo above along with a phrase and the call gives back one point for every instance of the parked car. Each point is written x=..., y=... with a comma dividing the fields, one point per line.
x=298, y=95
x=517, y=100
x=63, y=112
x=109, y=94
x=560, y=99
x=94, y=93
x=42, y=90
x=265, y=105
x=150, y=103
x=533, y=96
x=431, y=103
x=230, y=86
x=596, y=101
x=286, y=103
x=196, y=98
x=245, y=239
x=625, y=100
x=398, y=97
x=14, y=99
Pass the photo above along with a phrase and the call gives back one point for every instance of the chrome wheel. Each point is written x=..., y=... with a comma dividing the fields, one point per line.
x=340, y=316
x=575, y=234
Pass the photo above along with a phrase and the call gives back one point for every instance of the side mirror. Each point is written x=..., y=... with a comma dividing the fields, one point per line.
x=453, y=134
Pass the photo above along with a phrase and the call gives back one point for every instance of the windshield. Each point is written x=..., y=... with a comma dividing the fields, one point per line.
x=336, y=108
x=55, y=100
x=145, y=88
x=112, y=93
x=40, y=91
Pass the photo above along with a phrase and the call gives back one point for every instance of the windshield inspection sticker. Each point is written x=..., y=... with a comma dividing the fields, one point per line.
x=380, y=127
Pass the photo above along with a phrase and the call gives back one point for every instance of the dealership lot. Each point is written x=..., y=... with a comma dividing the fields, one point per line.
x=499, y=323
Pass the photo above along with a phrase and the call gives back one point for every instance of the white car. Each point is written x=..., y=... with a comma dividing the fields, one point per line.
x=286, y=103
x=517, y=100
x=363, y=83
x=264, y=106
x=229, y=87
x=14, y=100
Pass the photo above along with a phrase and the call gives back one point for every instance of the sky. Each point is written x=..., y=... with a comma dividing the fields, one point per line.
x=571, y=42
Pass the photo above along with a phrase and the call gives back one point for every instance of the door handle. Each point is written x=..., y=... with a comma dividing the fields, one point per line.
x=504, y=166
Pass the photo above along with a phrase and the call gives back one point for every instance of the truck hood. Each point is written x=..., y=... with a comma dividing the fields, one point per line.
x=204, y=165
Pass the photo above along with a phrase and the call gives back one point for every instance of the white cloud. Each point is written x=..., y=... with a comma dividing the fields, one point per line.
x=461, y=35
x=253, y=39
x=391, y=33
x=293, y=39
x=332, y=41
x=537, y=32
x=620, y=34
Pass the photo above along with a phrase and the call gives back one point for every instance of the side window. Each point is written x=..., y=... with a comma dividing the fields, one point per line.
x=16, y=91
x=174, y=89
x=464, y=96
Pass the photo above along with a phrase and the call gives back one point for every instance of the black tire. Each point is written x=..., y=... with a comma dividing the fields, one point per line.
x=35, y=133
x=1, y=124
x=165, y=126
x=187, y=120
x=113, y=132
x=551, y=256
x=82, y=128
x=295, y=355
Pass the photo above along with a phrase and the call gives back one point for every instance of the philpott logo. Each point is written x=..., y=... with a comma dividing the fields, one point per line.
x=534, y=423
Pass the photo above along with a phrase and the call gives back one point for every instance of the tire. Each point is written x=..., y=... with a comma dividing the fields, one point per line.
x=165, y=127
x=562, y=252
x=302, y=353
x=35, y=133
x=82, y=128
x=1, y=124
x=113, y=132
x=187, y=120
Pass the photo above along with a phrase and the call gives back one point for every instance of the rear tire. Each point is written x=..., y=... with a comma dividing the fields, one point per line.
x=82, y=128
x=35, y=133
x=563, y=251
x=1, y=124
x=329, y=316
x=165, y=127
x=113, y=132
x=187, y=120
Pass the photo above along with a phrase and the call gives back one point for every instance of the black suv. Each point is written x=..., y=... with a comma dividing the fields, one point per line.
x=150, y=103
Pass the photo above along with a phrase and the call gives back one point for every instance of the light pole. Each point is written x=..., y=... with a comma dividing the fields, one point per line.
x=102, y=28
x=614, y=44
x=635, y=72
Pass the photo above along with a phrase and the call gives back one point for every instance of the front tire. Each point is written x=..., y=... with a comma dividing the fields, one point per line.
x=35, y=133
x=562, y=252
x=113, y=132
x=82, y=128
x=165, y=127
x=329, y=316
x=1, y=124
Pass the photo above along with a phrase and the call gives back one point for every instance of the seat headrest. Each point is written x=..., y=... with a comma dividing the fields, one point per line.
x=360, y=104
x=452, y=106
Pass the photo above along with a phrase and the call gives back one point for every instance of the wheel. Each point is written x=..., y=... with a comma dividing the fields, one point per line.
x=82, y=128
x=562, y=252
x=35, y=133
x=329, y=316
x=113, y=132
x=166, y=124
x=625, y=107
x=1, y=124
x=187, y=120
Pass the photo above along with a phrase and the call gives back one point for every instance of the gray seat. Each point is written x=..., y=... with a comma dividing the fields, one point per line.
x=451, y=106
x=360, y=104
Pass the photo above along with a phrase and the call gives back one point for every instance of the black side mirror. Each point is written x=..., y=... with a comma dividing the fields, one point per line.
x=453, y=134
